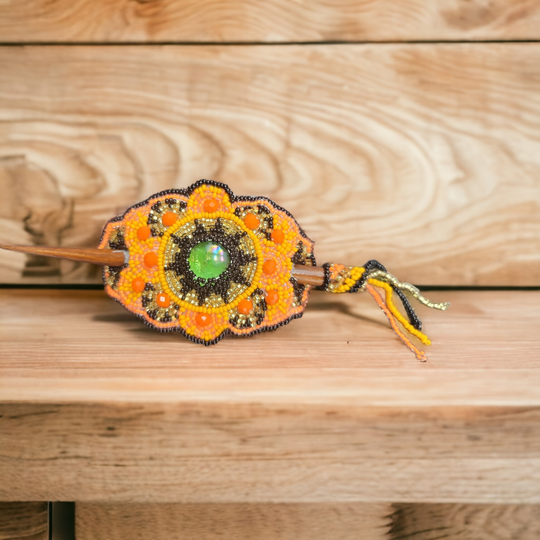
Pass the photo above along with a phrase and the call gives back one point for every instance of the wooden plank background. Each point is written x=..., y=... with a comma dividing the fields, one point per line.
x=233, y=521
x=401, y=143
x=426, y=157
x=24, y=521
x=308, y=521
x=266, y=21
x=465, y=522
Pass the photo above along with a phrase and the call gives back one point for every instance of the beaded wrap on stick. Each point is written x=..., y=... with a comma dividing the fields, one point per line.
x=339, y=278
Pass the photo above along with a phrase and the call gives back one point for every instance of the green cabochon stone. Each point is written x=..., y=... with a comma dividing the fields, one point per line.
x=208, y=260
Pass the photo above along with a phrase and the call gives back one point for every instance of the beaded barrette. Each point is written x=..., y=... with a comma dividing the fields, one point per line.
x=207, y=263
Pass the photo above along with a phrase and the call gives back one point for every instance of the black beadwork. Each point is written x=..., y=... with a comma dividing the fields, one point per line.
x=256, y=317
x=221, y=285
x=298, y=289
x=370, y=266
x=116, y=242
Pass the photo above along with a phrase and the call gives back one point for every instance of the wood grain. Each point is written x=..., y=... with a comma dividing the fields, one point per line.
x=269, y=21
x=198, y=451
x=465, y=522
x=425, y=158
x=309, y=521
x=95, y=407
x=24, y=521
x=233, y=521
x=61, y=331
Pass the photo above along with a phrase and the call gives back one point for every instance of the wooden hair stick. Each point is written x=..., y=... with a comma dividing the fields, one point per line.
x=104, y=257
x=207, y=263
x=307, y=275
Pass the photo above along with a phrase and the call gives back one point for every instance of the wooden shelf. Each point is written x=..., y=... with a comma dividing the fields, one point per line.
x=332, y=408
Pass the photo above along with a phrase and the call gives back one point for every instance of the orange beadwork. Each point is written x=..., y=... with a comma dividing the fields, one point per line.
x=144, y=232
x=163, y=300
x=245, y=306
x=150, y=259
x=255, y=293
x=252, y=221
x=269, y=267
x=203, y=319
x=278, y=236
x=169, y=218
x=211, y=205
x=272, y=297
x=138, y=284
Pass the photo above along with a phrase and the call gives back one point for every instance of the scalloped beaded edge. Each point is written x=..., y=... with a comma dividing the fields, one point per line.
x=294, y=312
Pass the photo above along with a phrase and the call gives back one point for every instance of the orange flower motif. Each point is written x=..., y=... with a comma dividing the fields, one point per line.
x=207, y=263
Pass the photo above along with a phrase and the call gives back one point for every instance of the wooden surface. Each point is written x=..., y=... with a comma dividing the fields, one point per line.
x=232, y=521
x=332, y=408
x=424, y=157
x=24, y=521
x=269, y=21
x=308, y=521
x=465, y=522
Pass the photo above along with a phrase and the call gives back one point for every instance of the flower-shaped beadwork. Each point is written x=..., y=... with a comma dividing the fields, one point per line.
x=207, y=263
